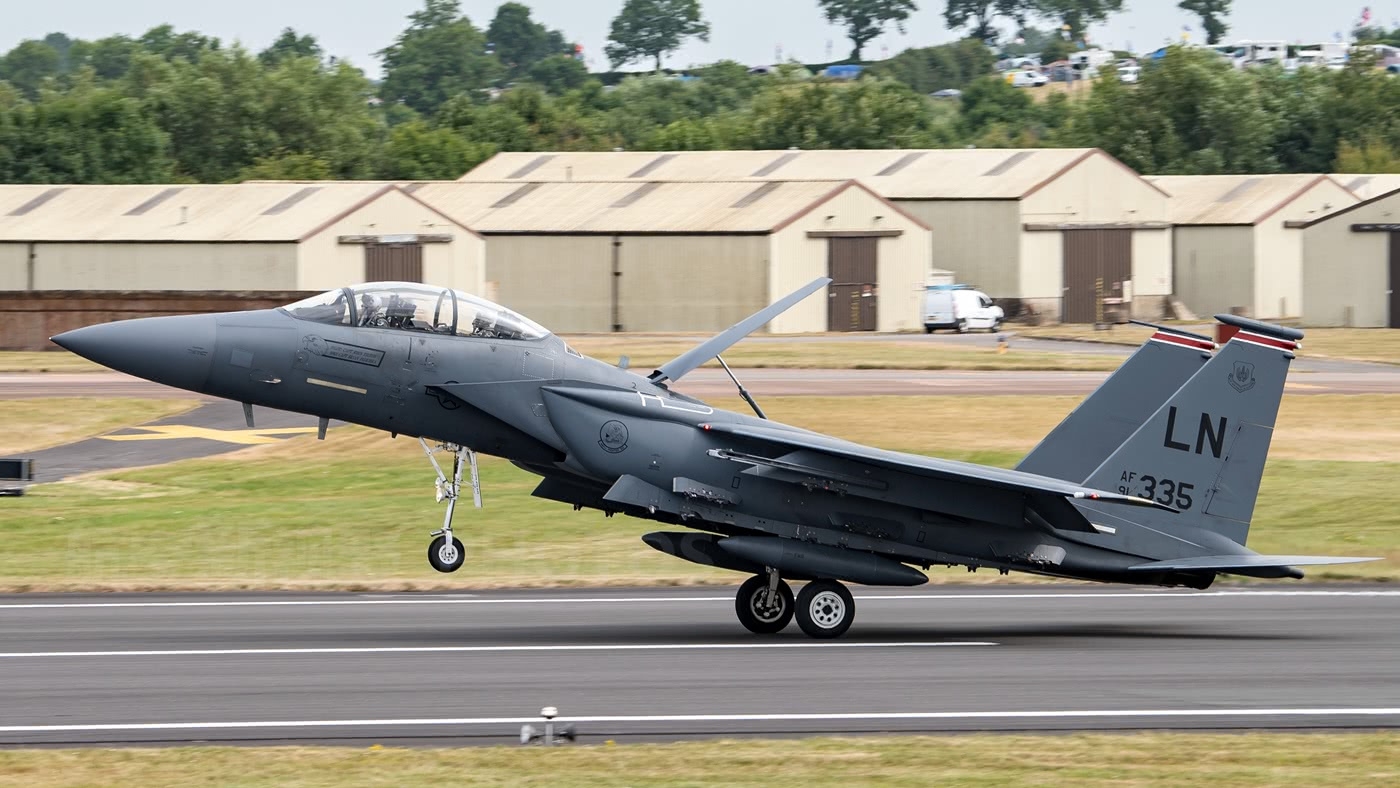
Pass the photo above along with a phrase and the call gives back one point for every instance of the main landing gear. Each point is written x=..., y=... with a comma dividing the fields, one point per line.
x=445, y=552
x=765, y=604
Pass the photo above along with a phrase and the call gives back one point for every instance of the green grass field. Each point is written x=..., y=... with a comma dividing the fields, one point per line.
x=1344, y=760
x=53, y=422
x=354, y=511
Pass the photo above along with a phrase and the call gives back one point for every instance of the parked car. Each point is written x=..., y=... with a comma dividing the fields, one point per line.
x=947, y=93
x=1128, y=75
x=1026, y=79
x=960, y=308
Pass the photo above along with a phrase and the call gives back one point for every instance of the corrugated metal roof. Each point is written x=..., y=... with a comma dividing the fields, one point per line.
x=224, y=212
x=626, y=206
x=1368, y=186
x=1230, y=199
x=955, y=173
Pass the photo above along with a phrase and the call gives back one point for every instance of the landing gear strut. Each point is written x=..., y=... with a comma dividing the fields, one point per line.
x=825, y=609
x=445, y=552
x=764, y=603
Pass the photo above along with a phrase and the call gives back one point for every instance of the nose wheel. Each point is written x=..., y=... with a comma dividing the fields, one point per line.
x=825, y=609
x=446, y=556
x=445, y=552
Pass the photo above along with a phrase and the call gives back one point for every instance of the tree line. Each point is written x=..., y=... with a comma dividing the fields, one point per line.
x=171, y=106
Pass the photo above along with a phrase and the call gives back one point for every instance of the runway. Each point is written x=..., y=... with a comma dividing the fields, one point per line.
x=646, y=664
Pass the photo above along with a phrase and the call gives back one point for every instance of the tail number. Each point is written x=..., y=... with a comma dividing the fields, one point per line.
x=1167, y=492
x=1209, y=433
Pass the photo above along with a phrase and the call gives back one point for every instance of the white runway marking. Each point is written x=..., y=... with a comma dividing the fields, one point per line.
x=660, y=718
x=486, y=649
x=727, y=598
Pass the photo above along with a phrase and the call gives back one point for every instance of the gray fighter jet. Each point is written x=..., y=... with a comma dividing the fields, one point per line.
x=1152, y=480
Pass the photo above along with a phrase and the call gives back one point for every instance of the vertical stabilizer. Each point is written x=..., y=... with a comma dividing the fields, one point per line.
x=1203, y=451
x=1111, y=414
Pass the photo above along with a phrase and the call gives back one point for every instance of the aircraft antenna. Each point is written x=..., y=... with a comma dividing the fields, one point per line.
x=743, y=392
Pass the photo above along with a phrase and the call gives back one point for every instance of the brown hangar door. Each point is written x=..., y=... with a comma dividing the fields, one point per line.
x=393, y=262
x=1096, y=264
x=1394, y=321
x=853, y=295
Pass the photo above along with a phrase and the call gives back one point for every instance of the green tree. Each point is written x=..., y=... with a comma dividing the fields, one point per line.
x=944, y=66
x=164, y=41
x=1371, y=156
x=88, y=134
x=28, y=65
x=108, y=57
x=991, y=100
x=1078, y=14
x=558, y=73
x=1211, y=13
x=865, y=20
x=875, y=113
x=652, y=28
x=438, y=56
x=289, y=45
x=416, y=151
x=286, y=167
x=979, y=15
x=519, y=41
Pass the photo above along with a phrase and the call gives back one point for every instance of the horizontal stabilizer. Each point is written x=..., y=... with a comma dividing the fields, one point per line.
x=1227, y=563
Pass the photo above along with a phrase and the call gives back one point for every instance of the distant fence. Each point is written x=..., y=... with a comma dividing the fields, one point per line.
x=29, y=317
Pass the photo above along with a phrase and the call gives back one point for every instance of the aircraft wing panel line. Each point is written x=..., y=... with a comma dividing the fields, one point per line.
x=1225, y=563
x=927, y=466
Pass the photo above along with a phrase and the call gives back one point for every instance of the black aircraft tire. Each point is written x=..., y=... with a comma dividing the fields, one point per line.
x=754, y=620
x=825, y=609
x=443, y=559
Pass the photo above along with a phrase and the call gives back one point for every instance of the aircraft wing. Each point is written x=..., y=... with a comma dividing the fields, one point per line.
x=931, y=467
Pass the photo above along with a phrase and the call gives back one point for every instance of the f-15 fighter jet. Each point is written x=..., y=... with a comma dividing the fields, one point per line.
x=1152, y=480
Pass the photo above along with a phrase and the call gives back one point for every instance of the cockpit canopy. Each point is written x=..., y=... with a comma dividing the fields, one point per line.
x=415, y=307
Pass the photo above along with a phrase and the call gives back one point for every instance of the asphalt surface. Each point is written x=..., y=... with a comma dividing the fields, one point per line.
x=635, y=664
x=215, y=427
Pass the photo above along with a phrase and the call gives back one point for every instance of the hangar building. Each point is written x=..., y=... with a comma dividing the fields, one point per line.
x=645, y=255
x=1231, y=248
x=217, y=247
x=1048, y=229
x=1368, y=186
x=1351, y=265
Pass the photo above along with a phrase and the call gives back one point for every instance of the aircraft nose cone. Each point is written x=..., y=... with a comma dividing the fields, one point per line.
x=177, y=351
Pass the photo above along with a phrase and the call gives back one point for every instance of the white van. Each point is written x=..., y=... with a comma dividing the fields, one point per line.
x=960, y=308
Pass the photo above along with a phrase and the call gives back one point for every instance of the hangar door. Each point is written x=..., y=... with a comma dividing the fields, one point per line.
x=1096, y=264
x=1394, y=321
x=393, y=262
x=852, y=296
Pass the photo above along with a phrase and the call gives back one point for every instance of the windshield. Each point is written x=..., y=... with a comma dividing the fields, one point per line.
x=415, y=307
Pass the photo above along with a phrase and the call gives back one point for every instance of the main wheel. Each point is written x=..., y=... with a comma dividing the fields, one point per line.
x=756, y=613
x=825, y=609
x=446, y=557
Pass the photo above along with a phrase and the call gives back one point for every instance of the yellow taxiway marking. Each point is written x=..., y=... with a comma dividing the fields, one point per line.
x=163, y=432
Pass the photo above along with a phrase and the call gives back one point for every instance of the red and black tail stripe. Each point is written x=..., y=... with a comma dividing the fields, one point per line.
x=1266, y=341
x=1183, y=341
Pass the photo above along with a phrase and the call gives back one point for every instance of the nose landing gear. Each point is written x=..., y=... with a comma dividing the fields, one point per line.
x=445, y=552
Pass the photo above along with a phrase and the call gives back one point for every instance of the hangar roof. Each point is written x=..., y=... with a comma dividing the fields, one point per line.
x=1368, y=186
x=253, y=212
x=645, y=206
x=1231, y=199
x=947, y=174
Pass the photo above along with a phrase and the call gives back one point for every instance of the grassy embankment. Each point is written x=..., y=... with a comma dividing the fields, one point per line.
x=354, y=511
x=1139, y=759
x=1378, y=345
